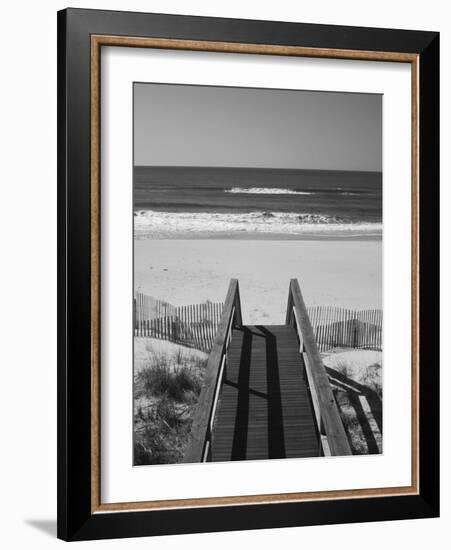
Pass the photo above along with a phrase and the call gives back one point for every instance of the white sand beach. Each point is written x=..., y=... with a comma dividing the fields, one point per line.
x=345, y=273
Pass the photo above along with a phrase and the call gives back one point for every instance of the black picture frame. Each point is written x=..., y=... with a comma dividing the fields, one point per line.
x=76, y=521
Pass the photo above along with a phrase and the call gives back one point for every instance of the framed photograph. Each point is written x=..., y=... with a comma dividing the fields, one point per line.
x=248, y=274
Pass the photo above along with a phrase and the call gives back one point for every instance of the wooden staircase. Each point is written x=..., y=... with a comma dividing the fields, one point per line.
x=266, y=392
x=264, y=410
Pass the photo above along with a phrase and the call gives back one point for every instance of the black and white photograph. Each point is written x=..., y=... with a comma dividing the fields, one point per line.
x=257, y=299
x=225, y=275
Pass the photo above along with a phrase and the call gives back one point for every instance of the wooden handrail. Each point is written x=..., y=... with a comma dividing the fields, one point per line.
x=334, y=440
x=200, y=440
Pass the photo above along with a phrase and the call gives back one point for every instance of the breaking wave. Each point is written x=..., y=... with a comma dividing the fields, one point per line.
x=155, y=224
x=266, y=191
x=281, y=191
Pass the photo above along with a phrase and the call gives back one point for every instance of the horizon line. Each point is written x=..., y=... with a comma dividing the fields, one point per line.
x=254, y=168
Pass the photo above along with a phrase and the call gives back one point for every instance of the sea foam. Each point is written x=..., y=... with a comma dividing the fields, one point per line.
x=154, y=224
x=266, y=191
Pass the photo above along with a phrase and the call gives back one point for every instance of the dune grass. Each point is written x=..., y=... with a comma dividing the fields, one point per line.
x=177, y=384
x=166, y=392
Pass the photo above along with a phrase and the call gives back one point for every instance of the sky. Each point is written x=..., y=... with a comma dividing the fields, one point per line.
x=179, y=125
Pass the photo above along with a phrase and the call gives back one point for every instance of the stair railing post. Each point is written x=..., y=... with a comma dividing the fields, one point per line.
x=327, y=414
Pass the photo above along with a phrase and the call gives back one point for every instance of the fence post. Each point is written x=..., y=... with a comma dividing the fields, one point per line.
x=354, y=333
x=134, y=316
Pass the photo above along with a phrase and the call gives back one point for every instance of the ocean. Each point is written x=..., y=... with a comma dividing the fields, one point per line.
x=180, y=202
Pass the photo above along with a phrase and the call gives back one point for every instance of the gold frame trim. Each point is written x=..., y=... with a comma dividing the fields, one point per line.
x=97, y=41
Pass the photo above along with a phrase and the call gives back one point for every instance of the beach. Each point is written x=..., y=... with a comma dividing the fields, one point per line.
x=291, y=191
x=345, y=273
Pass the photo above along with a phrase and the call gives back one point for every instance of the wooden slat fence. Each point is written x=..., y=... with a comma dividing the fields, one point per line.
x=148, y=307
x=193, y=325
x=338, y=327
